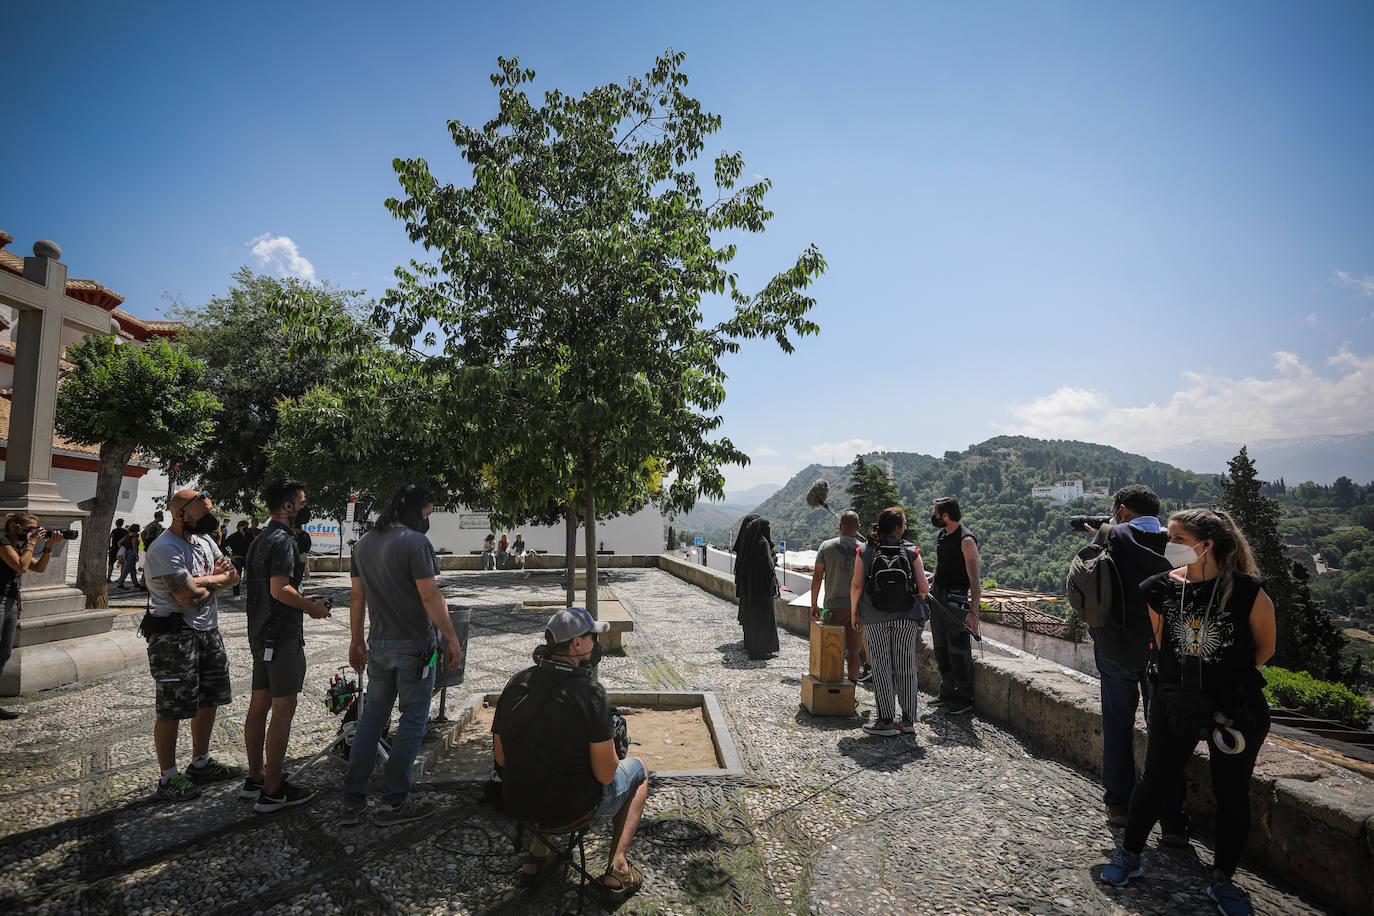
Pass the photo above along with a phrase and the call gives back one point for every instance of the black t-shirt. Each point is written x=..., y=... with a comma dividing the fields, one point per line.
x=116, y=536
x=951, y=572
x=1205, y=644
x=273, y=554
x=238, y=543
x=548, y=773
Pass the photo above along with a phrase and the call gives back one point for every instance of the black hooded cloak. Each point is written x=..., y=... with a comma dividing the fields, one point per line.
x=756, y=585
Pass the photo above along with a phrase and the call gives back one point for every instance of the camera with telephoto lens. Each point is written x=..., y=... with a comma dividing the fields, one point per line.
x=1083, y=522
x=67, y=533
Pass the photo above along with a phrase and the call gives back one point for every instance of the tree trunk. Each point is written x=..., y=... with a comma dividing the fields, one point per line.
x=589, y=526
x=93, y=558
x=570, y=553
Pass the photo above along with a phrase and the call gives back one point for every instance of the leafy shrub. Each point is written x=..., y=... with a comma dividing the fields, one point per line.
x=1300, y=691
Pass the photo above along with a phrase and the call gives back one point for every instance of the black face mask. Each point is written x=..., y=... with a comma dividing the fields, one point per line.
x=206, y=524
x=302, y=517
x=422, y=526
x=935, y=522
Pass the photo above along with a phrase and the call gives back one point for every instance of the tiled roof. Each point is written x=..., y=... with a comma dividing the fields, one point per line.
x=58, y=443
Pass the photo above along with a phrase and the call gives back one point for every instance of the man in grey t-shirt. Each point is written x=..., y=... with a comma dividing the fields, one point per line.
x=395, y=582
x=184, y=569
x=835, y=568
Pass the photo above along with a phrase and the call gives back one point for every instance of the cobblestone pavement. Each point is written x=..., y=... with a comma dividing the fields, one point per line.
x=960, y=818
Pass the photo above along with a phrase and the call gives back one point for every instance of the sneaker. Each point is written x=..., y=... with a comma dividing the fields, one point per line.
x=1174, y=833
x=940, y=701
x=349, y=817
x=881, y=727
x=865, y=675
x=252, y=788
x=213, y=771
x=1116, y=815
x=7, y=714
x=958, y=708
x=906, y=725
x=1228, y=898
x=287, y=796
x=404, y=813
x=178, y=788
x=1122, y=868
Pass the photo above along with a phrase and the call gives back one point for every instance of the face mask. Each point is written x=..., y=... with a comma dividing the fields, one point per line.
x=302, y=517
x=935, y=522
x=1181, y=554
x=206, y=524
x=423, y=527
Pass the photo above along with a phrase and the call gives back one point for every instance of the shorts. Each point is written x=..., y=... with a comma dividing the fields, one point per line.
x=629, y=776
x=284, y=675
x=191, y=671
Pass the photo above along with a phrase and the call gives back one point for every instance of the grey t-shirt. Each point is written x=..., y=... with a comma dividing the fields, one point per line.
x=171, y=554
x=837, y=556
x=389, y=561
x=272, y=554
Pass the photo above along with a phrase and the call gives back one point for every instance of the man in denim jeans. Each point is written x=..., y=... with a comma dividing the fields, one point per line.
x=393, y=577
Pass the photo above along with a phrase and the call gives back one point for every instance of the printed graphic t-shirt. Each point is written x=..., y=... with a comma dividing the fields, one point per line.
x=171, y=554
x=1204, y=643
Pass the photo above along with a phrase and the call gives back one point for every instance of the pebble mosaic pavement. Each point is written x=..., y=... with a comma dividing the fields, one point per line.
x=959, y=818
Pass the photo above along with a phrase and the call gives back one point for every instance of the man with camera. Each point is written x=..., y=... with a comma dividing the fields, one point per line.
x=184, y=570
x=556, y=752
x=21, y=554
x=1135, y=541
x=276, y=637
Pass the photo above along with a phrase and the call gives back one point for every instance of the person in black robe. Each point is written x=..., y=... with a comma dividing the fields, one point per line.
x=756, y=585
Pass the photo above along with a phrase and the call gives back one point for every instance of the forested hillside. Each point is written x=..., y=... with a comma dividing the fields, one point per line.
x=1024, y=543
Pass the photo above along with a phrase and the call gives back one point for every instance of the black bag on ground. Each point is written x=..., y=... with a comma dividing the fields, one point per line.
x=891, y=583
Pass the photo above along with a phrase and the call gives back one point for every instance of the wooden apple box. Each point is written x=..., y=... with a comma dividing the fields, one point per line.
x=827, y=652
x=825, y=698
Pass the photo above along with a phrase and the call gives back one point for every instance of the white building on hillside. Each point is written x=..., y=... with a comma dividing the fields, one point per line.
x=1058, y=494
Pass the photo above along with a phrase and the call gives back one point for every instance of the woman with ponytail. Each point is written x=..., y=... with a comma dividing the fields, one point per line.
x=887, y=590
x=1214, y=627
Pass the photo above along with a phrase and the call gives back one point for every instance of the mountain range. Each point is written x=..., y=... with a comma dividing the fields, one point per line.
x=1320, y=459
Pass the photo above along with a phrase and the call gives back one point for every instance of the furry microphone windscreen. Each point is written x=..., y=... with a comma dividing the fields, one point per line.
x=818, y=494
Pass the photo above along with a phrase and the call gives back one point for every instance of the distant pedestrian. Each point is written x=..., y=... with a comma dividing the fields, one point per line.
x=756, y=585
x=304, y=544
x=237, y=543
x=518, y=550
x=503, y=553
x=20, y=554
x=958, y=586
x=253, y=529
x=888, y=584
x=154, y=529
x=116, y=536
x=128, y=556
x=1214, y=626
x=489, y=552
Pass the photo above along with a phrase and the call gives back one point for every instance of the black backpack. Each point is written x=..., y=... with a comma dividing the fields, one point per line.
x=891, y=582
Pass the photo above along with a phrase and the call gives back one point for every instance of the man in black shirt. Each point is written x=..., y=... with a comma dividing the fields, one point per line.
x=958, y=585
x=238, y=548
x=276, y=637
x=556, y=751
x=116, y=536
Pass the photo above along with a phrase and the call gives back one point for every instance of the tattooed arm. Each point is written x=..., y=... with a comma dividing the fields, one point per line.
x=184, y=589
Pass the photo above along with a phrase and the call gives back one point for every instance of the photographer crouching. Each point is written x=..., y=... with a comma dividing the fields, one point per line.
x=556, y=751
x=19, y=549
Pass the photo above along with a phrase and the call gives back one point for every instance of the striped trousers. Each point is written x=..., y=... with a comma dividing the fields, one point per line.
x=892, y=653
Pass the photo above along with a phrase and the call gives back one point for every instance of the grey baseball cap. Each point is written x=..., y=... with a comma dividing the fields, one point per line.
x=570, y=623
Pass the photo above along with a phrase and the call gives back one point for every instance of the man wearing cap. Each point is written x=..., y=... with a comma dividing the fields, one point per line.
x=555, y=749
x=184, y=570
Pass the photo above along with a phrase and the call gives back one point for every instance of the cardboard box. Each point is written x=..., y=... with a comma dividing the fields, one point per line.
x=827, y=652
x=823, y=698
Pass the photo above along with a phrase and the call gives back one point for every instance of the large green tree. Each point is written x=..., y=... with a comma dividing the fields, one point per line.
x=128, y=399
x=1307, y=637
x=565, y=295
x=244, y=346
x=870, y=490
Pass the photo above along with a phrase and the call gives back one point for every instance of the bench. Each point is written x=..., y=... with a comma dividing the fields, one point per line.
x=614, y=613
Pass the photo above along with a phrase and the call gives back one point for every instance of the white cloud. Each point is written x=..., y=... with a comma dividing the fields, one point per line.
x=764, y=451
x=280, y=254
x=1365, y=284
x=839, y=453
x=1312, y=319
x=1292, y=401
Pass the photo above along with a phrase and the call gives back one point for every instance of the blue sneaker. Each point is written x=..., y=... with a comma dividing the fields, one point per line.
x=1228, y=898
x=1122, y=868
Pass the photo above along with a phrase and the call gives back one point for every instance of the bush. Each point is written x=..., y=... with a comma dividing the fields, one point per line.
x=1300, y=691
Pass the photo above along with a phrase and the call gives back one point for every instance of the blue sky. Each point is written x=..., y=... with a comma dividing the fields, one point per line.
x=1140, y=226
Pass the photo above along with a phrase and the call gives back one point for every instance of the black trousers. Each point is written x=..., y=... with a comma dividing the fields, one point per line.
x=1166, y=760
x=953, y=648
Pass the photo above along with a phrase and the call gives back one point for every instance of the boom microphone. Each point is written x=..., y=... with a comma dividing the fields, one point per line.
x=817, y=494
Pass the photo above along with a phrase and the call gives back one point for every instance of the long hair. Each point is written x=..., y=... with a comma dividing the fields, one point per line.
x=406, y=507
x=1230, y=550
x=889, y=520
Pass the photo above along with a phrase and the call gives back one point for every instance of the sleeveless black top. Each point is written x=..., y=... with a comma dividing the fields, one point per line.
x=951, y=572
x=1205, y=644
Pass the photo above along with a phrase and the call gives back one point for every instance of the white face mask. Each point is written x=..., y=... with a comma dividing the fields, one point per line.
x=1180, y=554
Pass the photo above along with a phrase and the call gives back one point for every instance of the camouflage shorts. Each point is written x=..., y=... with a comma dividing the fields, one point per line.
x=191, y=671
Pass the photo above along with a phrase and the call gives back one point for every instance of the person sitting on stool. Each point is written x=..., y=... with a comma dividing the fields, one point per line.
x=555, y=749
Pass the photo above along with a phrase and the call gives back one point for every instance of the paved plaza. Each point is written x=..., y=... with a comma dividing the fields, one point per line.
x=960, y=818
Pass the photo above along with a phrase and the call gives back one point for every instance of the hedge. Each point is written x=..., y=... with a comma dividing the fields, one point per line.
x=1300, y=691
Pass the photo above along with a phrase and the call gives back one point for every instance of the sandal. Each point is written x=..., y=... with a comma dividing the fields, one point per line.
x=630, y=881
x=541, y=866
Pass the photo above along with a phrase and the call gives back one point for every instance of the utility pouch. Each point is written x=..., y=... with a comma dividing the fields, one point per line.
x=152, y=625
x=1189, y=712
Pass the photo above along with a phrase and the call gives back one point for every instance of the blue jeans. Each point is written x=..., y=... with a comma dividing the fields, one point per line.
x=629, y=776
x=1122, y=690
x=393, y=674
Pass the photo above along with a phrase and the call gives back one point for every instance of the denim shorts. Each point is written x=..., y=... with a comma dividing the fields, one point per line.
x=629, y=775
